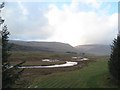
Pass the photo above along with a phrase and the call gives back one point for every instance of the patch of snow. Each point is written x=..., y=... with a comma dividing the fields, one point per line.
x=48, y=60
x=83, y=59
x=76, y=57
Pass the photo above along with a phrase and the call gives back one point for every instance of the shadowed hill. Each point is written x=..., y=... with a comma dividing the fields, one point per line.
x=43, y=46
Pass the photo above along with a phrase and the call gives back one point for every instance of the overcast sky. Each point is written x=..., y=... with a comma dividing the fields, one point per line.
x=70, y=21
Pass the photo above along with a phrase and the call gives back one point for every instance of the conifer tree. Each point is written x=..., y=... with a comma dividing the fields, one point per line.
x=10, y=74
x=114, y=62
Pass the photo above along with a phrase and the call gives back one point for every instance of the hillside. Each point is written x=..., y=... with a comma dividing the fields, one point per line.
x=42, y=46
x=92, y=49
x=95, y=49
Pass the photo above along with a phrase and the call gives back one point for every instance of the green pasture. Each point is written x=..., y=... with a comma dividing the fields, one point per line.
x=95, y=75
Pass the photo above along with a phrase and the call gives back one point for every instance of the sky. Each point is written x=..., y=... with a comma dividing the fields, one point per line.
x=75, y=22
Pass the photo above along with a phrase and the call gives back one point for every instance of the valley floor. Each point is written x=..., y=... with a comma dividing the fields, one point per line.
x=95, y=75
x=87, y=74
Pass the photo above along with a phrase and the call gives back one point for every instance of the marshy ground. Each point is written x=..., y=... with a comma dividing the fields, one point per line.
x=92, y=73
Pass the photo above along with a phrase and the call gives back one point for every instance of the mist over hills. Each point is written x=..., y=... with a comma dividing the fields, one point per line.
x=94, y=49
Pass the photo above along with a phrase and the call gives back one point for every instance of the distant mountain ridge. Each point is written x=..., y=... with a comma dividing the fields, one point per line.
x=42, y=46
x=95, y=49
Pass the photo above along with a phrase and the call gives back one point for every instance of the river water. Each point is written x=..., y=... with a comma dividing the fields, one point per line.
x=67, y=64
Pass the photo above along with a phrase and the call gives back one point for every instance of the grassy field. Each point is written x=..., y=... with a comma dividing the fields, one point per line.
x=95, y=75
x=87, y=74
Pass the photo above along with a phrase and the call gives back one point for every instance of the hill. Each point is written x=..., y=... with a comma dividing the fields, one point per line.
x=92, y=49
x=95, y=49
x=42, y=46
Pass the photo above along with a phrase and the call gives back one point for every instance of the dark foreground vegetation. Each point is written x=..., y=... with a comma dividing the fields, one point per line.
x=114, y=62
x=9, y=74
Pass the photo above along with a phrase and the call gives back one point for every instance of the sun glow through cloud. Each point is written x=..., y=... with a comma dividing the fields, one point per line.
x=78, y=27
x=75, y=22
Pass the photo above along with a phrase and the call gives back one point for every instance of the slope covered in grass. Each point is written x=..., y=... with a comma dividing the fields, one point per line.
x=95, y=75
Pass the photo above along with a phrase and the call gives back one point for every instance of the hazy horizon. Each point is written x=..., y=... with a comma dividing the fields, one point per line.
x=60, y=42
x=76, y=22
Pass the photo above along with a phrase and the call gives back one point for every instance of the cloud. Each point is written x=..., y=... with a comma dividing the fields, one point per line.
x=81, y=27
x=79, y=22
x=24, y=24
x=23, y=9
